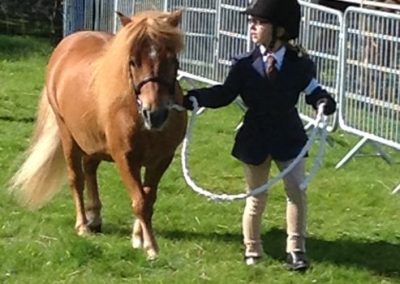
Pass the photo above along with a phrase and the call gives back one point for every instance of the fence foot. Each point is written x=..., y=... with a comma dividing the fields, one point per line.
x=351, y=153
x=360, y=144
x=396, y=190
x=382, y=153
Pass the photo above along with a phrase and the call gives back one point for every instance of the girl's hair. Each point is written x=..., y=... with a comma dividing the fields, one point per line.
x=300, y=50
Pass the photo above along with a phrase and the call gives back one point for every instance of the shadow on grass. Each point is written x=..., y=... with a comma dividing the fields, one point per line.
x=121, y=230
x=17, y=119
x=379, y=257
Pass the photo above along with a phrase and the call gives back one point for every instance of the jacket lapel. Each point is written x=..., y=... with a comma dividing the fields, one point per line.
x=258, y=63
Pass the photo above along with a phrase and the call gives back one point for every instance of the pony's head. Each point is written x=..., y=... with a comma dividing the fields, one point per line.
x=153, y=40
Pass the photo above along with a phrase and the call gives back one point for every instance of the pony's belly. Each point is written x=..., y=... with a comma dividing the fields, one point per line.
x=90, y=142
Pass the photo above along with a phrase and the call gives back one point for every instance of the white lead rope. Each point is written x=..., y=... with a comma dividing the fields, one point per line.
x=319, y=127
x=323, y=133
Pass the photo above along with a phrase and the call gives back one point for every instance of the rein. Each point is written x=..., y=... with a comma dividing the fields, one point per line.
x=320, y=127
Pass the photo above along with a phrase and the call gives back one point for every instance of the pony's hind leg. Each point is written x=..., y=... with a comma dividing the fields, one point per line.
x=76, y=181
x=93, y=208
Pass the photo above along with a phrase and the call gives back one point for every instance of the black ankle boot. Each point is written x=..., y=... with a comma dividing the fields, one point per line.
x=297, y=261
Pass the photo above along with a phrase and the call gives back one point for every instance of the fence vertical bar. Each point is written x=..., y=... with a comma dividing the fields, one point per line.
x=116, y=2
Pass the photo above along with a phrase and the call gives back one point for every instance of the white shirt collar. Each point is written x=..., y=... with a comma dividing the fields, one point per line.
x=279, y=55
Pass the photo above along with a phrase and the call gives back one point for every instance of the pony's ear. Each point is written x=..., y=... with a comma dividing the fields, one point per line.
x=175, y=18
x=124, y=19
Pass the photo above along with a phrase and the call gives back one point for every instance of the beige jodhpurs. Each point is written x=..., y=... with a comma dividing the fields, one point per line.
x=296, y=207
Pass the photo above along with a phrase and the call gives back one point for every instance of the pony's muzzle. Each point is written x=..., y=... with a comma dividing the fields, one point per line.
x=155, y=119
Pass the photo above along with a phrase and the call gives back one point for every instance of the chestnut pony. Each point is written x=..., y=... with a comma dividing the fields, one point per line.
x=108, y=97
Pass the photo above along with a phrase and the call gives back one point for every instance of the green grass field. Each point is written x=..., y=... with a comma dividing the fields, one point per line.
x=354, y=221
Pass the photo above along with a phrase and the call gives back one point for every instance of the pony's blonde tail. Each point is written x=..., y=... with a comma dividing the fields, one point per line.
x=43, y=172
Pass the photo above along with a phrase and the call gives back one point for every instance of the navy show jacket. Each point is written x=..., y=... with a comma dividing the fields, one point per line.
x=271, y=124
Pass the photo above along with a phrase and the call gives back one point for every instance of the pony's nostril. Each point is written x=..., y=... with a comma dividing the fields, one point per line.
x=158, y=117
x=154, y=119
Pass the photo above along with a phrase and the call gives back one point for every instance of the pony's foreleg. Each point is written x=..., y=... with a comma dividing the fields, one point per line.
x=93, y=208
x=139, y=239
x=137, y=235
x=130, y=174
x=151, y=180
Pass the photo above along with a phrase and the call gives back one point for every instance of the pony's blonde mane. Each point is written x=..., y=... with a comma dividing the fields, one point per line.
x=150, y=27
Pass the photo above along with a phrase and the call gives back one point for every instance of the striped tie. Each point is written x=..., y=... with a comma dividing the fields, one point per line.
x=271, y=70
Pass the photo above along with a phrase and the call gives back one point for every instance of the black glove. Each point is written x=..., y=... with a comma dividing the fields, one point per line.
x=187, y=103
x=330, y=104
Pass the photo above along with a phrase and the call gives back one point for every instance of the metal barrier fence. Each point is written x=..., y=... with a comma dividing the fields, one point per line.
x=370, y=95
x=357, y=54
x=320, y=35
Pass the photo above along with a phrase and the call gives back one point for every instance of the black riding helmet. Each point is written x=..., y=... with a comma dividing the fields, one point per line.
x=283, y=13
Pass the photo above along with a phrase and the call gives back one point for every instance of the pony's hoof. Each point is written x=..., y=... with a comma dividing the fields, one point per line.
x=94, y=221
x=83, y=230
x=95, y=228
x=152, y=254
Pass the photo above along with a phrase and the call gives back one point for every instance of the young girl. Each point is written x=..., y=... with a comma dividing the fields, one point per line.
x=269, y=80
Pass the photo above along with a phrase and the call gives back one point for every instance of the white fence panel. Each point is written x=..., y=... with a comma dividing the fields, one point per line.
x=371, y=87
x=370, y=95
x=320, y=35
